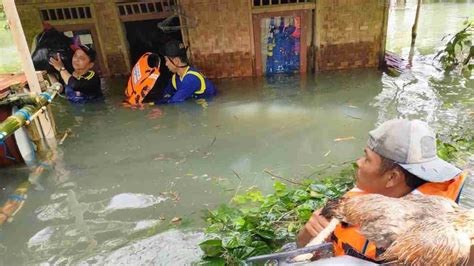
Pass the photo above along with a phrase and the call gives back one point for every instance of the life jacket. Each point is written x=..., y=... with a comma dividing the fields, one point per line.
x=347, y=240
x=200, y=76
x=141, y=81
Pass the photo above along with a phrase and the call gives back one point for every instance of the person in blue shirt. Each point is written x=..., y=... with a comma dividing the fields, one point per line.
x=186, y=82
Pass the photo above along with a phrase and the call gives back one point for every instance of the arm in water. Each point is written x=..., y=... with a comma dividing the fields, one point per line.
x=185, y=90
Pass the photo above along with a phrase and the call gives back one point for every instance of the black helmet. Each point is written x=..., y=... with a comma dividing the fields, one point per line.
x=89, y=51
x=173, y=48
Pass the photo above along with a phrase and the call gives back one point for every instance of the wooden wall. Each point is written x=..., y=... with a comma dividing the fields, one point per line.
x=221, y=43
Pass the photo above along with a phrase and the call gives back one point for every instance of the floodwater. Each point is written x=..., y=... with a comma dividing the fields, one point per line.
x=123, y=174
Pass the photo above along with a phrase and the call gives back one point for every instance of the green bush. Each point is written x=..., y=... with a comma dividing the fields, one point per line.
x=255, y=224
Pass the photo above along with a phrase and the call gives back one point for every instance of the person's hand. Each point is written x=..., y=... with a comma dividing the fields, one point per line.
x=311, y=229
x=316, y=223
x=56, y=63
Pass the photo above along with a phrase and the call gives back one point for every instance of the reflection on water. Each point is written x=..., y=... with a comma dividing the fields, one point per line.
x=125, y=174
x=159, y=250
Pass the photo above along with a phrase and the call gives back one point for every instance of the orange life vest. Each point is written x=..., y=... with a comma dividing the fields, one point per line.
x=347, y=239
x=141, y=81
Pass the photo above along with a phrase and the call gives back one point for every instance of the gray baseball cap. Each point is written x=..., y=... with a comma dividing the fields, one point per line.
x=412, y=145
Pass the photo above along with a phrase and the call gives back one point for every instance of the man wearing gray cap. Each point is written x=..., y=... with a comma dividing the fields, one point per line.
x=400, y=158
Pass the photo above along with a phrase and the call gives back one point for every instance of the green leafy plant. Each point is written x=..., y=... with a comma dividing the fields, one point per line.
x=255, y=224
x=456, y=148
x=459, y=51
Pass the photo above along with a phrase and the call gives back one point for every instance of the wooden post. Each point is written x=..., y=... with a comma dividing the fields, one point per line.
x=413, y=34
x=251, y=4
x=383, y=36
x=27, y=64
x=415, y=24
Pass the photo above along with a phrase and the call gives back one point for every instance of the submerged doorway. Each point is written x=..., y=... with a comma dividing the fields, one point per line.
x=280, y=39
x=144, y=36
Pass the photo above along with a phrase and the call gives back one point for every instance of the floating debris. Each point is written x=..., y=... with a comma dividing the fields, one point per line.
x=173, y=195
x=66, y=134
x=345, y=138
x=394, y=65
x=352, y=106
x=176, y=220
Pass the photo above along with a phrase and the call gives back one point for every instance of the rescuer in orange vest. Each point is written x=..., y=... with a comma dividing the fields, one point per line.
x=143, y=78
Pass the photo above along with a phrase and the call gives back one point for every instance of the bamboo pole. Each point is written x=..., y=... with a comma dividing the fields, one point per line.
x=26, y=62
x=28, y=113
x=415, y=24
x=414, y=33
x=20, y=99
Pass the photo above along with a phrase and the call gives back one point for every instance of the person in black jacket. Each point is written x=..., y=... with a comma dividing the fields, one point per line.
x=83, y=84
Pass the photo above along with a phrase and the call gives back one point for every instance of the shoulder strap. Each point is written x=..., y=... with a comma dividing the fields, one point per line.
x=201, y=79
x=173, y=81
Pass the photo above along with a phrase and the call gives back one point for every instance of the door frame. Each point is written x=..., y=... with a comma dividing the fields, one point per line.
x=256, y=20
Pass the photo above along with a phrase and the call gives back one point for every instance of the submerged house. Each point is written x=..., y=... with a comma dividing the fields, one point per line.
x=225, y=38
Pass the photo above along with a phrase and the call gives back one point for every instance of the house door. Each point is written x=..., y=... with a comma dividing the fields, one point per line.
x=280, y=42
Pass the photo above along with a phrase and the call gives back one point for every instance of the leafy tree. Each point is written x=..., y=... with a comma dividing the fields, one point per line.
x=459, y=51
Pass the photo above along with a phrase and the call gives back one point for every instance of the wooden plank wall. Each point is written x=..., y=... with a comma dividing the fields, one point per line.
x=349, y=33
x=221, y=44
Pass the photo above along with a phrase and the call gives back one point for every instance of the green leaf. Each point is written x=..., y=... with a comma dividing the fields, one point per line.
x=319, y=188
x=255, y=196
x=280, y=188
x=315, y=194
x=215, y=228
x=299, y=195
x=239, y=223
x=212, y=247
x=260, y=248
x=268, y=234
x=292, y=227
x=269, y=201
x=212, y=262
x=242, y=252
x=450, y=48
x=240, y=199
x=231, y=242
x=466, y=72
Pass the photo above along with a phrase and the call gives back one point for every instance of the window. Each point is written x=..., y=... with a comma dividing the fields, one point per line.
x=66, y=13
x=278, y=2
x=145, y=7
